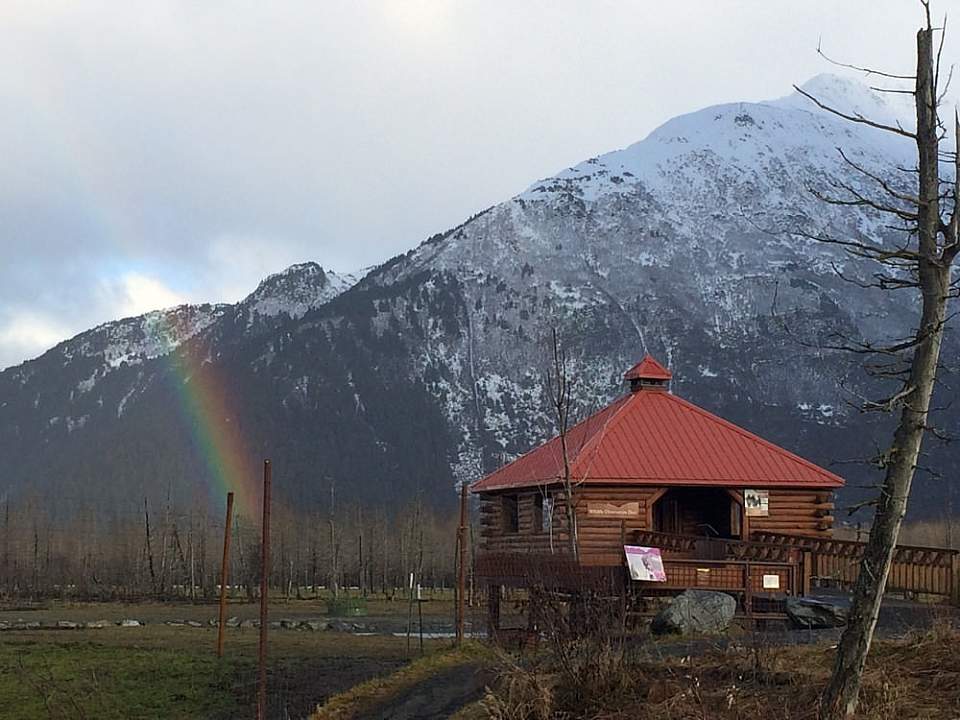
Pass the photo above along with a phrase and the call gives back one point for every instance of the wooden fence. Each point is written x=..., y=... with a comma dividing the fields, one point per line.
x=916, y=570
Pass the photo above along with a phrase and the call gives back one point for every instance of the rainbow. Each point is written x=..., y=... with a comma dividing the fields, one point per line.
x=204, y=396
x=214, y=422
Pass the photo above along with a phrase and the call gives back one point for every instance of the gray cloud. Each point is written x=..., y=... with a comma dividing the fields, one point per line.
x=184, y=150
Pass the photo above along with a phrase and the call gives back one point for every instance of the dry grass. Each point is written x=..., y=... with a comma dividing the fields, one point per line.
x=931, y=533
x=913, y=678
x=377, y=691
x=925, y=533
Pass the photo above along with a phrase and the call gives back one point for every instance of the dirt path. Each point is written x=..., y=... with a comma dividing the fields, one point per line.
x=436, y=698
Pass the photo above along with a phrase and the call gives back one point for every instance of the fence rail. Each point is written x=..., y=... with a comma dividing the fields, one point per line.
x=915, y=569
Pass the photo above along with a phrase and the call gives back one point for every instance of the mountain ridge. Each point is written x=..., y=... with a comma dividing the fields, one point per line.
x=428, y=371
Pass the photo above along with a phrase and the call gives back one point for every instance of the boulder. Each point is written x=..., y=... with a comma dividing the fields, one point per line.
x=130, y=623
x=67, y=625
x=194, y=624
x=808, y=613
x=313, y=625
x=340, y=626
x=248, y=624
x=98, y=624
x=288, y=624
x=232, y=622
x=695, y=611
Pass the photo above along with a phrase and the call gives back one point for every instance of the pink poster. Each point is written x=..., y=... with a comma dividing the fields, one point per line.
x=645, y=563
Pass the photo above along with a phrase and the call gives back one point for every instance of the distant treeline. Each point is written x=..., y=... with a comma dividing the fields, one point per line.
x=165, y=551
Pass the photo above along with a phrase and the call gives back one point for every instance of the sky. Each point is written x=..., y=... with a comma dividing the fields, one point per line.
x=154, y=153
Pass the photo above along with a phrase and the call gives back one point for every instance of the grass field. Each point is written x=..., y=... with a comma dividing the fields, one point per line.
x=159, y=671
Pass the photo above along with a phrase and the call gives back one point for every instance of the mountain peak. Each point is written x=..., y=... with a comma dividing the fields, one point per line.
x=297, y=290
x=853, y=97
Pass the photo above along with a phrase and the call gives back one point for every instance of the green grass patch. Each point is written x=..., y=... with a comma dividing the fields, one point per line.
x=91, y=680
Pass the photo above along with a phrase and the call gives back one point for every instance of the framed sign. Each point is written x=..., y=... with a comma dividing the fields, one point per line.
x=756, y=503
x=614, y=509
x=645, y=563
x=771, y=582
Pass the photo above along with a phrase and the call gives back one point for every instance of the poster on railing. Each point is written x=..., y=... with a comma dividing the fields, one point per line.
x=645, y=563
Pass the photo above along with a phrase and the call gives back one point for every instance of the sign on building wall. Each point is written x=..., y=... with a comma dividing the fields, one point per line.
x=546, y=516
x=756, y=503
x=613, y=509
x=645, y=563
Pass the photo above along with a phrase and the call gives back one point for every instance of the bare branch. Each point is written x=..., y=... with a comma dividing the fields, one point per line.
x=868, y=71
x=856, y=117
x=912, y=199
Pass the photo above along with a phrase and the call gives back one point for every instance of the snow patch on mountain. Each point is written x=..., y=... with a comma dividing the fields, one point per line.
x=299, y=289
x=135, y=340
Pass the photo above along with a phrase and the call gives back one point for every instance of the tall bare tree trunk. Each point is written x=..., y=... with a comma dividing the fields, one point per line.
x=146, y=527
x=841, y=696
x=559, y=384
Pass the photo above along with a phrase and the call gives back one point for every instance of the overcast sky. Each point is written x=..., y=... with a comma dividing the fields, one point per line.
x=156, y=152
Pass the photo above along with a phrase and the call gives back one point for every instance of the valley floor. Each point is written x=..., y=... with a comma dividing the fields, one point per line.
x=158, y=670
x=170, y=671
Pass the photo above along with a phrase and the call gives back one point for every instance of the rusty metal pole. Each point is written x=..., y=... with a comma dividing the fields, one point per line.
x=461, y=569
x=224, y=574
x=264, y=582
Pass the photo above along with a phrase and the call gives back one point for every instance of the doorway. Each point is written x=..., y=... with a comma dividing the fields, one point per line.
x=705, y=512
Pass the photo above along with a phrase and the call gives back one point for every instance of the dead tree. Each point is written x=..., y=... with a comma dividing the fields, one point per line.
x=559, y=386
x=928, y=216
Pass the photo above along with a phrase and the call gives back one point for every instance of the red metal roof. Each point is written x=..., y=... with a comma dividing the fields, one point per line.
x=648, y=369
x=652, y=437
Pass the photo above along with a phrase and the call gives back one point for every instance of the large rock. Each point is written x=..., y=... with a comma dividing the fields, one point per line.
x=815, y=614
x=695, y=611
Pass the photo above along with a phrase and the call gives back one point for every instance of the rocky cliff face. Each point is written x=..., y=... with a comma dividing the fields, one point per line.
x=689, y=245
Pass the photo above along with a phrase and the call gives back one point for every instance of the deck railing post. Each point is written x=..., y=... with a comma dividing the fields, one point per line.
x=807, y=570
x=955, y=579
x=747, y=597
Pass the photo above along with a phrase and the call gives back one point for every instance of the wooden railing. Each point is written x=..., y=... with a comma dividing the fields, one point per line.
x=915, y=569
x=702, y=548
x=745, y=578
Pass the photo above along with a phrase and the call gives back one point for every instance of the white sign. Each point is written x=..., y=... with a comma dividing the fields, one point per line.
x=756, y=503
x=645, y=563
x=771, y=582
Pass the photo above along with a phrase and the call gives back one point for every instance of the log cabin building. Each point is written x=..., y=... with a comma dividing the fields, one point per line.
x=653, y=469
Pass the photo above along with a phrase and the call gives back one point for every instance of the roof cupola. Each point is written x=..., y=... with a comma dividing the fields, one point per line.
x=648, y=374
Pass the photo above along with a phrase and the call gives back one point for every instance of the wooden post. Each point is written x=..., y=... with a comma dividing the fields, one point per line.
x=224, y=573
x=264, y=583
x=461, y=568
x=955, y=580
x=747, y=593
x=807, y=565
x=493, y=611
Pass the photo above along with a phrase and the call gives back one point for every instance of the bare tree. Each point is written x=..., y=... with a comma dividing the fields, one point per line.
x=559, y=386
x=921, y=261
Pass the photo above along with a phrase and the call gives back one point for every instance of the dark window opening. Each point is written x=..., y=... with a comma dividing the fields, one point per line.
x=537, y=513
x=511, y=514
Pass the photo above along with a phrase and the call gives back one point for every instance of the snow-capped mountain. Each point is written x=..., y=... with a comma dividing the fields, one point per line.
x=689, y=244
x=298, y=289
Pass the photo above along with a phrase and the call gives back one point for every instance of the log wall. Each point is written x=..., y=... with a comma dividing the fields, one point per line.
x=802, y=512
x=806, y=512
